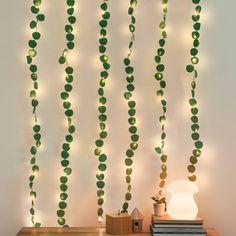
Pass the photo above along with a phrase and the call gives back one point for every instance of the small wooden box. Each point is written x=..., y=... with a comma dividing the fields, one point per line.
x=119, y=224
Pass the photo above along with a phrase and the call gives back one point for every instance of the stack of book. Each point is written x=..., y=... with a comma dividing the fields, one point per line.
x=166, y=226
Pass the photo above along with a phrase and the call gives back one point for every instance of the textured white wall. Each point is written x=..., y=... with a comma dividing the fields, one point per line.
x=216, y=98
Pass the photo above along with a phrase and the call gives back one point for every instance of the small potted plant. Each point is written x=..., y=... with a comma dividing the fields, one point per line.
x=159, y=205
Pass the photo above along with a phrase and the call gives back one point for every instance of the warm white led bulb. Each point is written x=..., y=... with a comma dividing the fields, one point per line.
x=182, y=204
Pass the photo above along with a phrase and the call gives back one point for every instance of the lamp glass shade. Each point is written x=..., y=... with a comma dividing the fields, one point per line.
x=182, y=205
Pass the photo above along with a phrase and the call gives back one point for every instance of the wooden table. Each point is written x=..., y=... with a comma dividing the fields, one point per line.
x=54, y=231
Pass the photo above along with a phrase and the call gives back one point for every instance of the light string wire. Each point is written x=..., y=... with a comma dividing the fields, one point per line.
x=129, y=69
x=100, y=142
x=192, y=69
x=159, y=76
x=32, y=53
x=65, y=96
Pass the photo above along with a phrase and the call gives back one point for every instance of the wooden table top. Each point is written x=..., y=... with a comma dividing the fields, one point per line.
x=55, y=231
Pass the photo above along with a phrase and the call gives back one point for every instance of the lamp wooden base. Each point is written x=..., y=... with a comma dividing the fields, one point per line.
x=73, y=231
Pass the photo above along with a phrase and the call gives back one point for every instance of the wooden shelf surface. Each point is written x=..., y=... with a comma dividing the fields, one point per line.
x=55, y=231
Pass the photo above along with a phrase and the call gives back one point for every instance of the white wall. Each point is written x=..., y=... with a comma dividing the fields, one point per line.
x=216, y=98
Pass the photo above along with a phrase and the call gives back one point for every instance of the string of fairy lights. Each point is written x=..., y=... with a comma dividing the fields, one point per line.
x=99, y=151
x=130, y=88
x=102, y=118
x=159, y=76
x=33, y=68
x=65, y=96
x=192, y=69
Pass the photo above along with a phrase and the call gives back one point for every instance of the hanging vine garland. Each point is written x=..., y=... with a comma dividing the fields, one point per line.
x=191, y=68
x=32, y=53
x=68, y=113
x=131, y=104
x=159, y=76
x=102, y=157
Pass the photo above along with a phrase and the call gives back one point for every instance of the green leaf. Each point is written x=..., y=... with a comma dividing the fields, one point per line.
x=133, y=129
x=69, y=70
x=60, y=213
x=63, y=187
x=100, y=212
x=67, y=171
x=100, y=201
x=37, y=137
x=102, y=117
x=70, y=45
x=100, y=193
x=128, y=162
x=99, y=143
x=133, y=146
x=129, y=69
x=72, y=19
x=36, y=35
x=134, y=137
x=164, y=158
x=190, y=68
x=129, y=153
x=103, y=134
x=193, y=160
x=126, y=61
x=33, y=150
x=132, y=120
x=130, y=87
x=100, y=184
x=70, y=37
x=62, y=60
x=106, y=15
x=192, y=102
x=104, y=6
x=33, y=24
x=69, y=138
x=64, y=179
x=102, y=158
x=33, y=68
x=103, y=23
x=71, y=129
x=131, y=112
x=65, y=163
x=162, y=25
x=194, y=119
x=162, y=42
x=69, y=113
x=70, y=3
x=158, y=150
x=70, y=11
x=102, y=167
x=196, y=1
x=65, y=154
x=127, y=95
x=198, y=144
x=34, y=10
x=195, y=136
x=68, y=28
x=41, y=17
x=37, y=128
x=125, y=206
x=63, y=196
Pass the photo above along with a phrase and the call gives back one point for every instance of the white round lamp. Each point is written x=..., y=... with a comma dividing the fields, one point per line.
x=182, y=205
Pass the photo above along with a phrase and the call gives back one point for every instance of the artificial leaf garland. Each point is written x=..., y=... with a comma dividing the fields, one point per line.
x=129, y=69
x=159, y=76
x=192, y=68
x=32, y=53
x=68, y=113
x=102, y=157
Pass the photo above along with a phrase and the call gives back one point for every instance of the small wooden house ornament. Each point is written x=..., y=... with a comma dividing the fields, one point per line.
x=137, y=221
